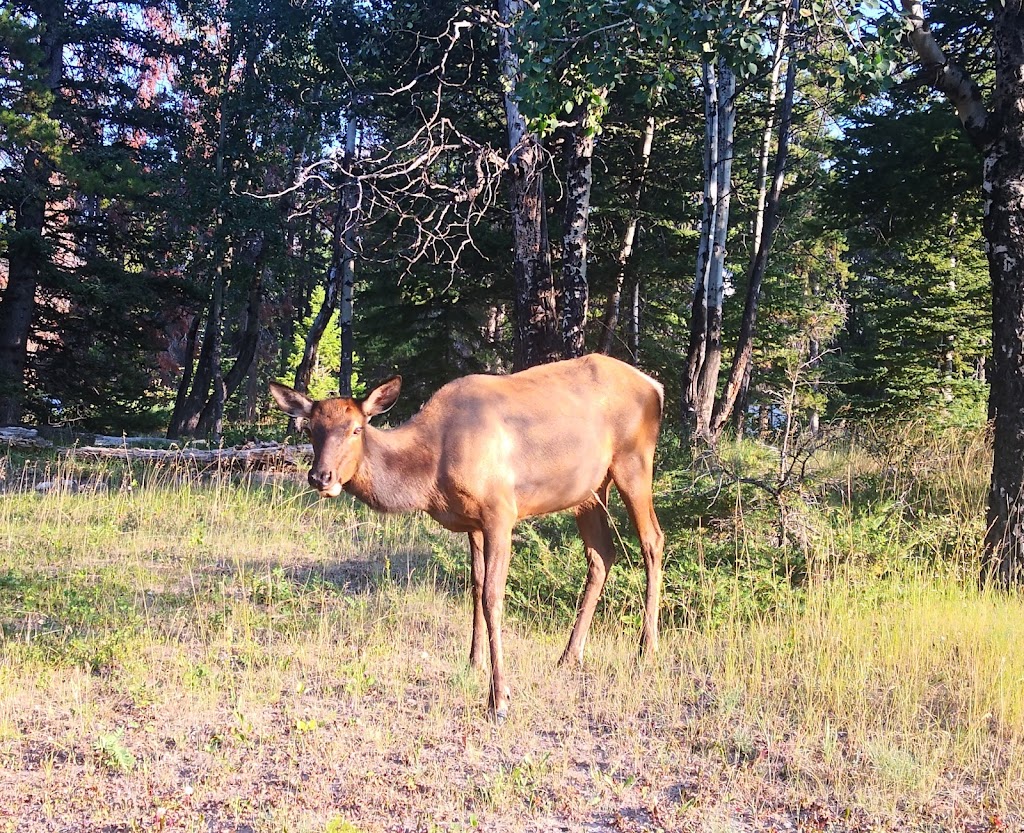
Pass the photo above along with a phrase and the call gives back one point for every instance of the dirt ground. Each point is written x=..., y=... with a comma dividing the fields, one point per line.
x=334, y=753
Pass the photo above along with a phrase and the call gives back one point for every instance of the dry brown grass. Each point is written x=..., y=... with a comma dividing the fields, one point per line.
x=215, y=655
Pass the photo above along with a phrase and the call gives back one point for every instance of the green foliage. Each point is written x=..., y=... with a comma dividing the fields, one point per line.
x=917, y=332
x=323, y=377
x=177, y=138
x=572, y=51
x=112, y=752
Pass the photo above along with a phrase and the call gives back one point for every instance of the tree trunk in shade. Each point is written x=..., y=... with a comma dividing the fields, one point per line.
x=537, y=337
x=612, y=310
x=997, y=132
x=27, y=253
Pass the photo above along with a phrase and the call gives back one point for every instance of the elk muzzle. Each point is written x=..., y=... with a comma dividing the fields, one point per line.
x=324, y=482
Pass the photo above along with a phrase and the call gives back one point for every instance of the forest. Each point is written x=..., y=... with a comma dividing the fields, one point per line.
x=802, y=217
x=766, y=206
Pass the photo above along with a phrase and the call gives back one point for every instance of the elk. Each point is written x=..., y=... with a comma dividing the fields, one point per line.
x=485, y=452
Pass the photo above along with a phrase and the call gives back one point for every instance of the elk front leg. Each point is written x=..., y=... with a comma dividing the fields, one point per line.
x=497, y=552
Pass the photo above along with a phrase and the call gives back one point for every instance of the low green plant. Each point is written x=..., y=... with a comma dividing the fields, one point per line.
x=112, y=753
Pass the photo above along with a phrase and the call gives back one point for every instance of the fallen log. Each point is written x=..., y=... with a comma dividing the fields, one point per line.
x=17, y=437
x=254, y=456
x=131, y=442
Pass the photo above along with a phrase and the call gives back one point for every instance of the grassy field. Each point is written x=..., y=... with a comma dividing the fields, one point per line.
x=211, y=653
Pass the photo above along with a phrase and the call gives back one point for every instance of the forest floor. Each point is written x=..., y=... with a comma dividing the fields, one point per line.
x=194, y=654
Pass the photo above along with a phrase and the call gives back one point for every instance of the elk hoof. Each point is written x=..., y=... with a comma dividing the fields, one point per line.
x=570, y=659
x=499, y=708
x=648, y=649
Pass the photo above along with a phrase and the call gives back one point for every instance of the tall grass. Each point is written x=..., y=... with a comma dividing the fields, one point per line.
x=159, y=622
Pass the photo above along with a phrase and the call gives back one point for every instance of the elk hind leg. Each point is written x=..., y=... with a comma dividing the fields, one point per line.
x=597, y=538
x=634, y=479
x=478, y=645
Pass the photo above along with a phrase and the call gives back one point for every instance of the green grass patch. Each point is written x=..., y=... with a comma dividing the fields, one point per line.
x=188, y=643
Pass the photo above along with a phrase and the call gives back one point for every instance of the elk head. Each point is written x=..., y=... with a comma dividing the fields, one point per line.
x=335, y=427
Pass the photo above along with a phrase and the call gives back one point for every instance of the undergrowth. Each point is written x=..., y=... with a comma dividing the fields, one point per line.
x=825, y=640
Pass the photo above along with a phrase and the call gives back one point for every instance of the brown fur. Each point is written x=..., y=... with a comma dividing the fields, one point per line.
x=487, y=451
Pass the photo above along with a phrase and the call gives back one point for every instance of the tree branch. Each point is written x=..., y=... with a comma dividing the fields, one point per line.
x=950, y=78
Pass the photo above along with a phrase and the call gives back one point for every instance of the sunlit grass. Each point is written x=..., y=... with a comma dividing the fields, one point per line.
x=176, y=639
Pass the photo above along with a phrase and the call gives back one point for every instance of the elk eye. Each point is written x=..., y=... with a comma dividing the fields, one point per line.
x=357, y=430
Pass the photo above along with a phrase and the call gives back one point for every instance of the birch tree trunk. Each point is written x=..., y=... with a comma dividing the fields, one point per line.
x=1004, y=234
x=574, y=292
x=612, y=309
x=348, y=260
x=759, y=264
x=814, y=356
x=998, y=134
x=215, y=424
x=536, y=334
x=27, y=252
x=699, y=304
x=704, y=358
x=634, y=321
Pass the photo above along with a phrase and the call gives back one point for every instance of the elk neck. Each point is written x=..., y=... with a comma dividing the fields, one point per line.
x=398, y=472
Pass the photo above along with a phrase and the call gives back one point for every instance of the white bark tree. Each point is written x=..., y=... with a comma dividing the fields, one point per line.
x=704, y=353
x=997, y=131
x=536, y=337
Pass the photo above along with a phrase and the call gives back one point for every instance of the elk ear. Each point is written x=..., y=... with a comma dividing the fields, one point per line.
x=293, y=403
x=382, y=398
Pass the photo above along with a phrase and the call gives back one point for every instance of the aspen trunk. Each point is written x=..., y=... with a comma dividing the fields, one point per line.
x=759, y=264
x=215, y=426
x=998, y=135
x=348, y=260
x=704, y=358
x=574, y=292
x=699, y=303
x=536, y=332
x=1004, y=234
x=634, y=322
x=814, y=357
x=612, y=309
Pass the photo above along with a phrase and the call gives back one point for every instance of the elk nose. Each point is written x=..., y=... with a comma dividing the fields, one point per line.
x=320, y=479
